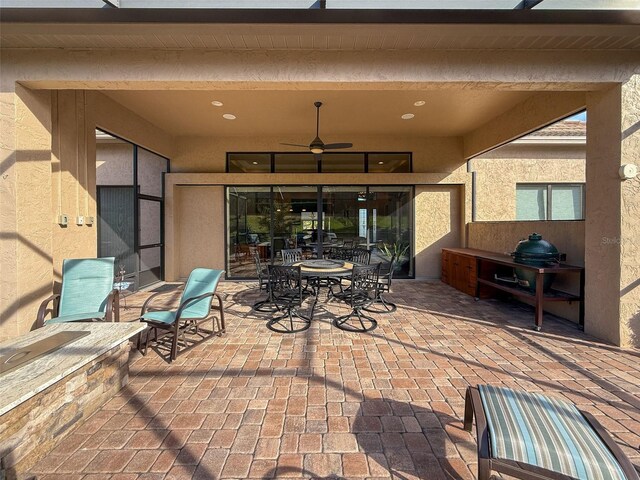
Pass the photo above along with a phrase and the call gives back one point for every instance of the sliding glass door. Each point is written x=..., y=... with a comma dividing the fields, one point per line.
x=266, y=220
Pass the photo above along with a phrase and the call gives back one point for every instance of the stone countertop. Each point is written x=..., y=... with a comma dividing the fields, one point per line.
x=22, y=383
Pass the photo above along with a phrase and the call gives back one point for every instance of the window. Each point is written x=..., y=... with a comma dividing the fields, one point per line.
x=249, y=162
x=328, y=162
x=556, y=201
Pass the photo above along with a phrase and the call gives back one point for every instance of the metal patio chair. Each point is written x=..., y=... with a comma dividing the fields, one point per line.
x=195, y=307
x=263, y=284
x=287, y=293
x=87, y=293
x=361, y=255
x=384, y=286
x=291, y=255
x=359, y=295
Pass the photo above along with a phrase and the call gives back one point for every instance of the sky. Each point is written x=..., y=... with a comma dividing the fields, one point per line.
x=582, y=116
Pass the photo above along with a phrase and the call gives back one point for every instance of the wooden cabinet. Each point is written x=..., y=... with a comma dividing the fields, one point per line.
x=460, y=271
x=476, y=273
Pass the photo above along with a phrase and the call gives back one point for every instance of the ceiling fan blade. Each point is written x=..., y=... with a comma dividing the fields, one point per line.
x=333, y=146
x=294, y=145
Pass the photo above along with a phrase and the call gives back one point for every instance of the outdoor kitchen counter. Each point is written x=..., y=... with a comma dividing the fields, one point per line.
x=24, y=382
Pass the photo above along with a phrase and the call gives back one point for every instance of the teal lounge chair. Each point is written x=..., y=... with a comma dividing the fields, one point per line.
x=87, y=293
x=196, y=304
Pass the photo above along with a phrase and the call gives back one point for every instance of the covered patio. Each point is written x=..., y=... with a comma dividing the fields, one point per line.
x=328, y=404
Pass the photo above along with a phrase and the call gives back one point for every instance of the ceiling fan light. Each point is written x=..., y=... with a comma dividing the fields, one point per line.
x=317, y=149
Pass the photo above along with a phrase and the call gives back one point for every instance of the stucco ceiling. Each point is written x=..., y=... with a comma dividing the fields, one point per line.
x=291, y=114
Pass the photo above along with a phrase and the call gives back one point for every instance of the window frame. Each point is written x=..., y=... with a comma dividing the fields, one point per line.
x=319, y=168
x=549, y=206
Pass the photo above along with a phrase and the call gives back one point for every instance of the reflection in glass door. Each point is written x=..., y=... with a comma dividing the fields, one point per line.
x=267, y=220
x=390, y=226
x=344, y=215
x=295, y=220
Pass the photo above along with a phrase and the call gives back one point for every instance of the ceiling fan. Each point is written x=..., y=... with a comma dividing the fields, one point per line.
x=317, y=146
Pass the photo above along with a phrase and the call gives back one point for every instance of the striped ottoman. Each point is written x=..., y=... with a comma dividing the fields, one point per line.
x=532, y=436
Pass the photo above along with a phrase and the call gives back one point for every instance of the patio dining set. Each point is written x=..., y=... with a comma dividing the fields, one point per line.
x=347, y=275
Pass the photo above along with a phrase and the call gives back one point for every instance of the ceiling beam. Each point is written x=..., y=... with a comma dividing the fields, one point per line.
x=316, y=15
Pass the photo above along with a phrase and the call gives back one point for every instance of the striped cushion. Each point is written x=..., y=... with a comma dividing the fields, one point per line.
x=549, y=433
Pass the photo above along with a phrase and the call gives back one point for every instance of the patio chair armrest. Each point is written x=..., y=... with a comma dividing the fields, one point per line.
x=191, y=300
x=221, y=298
x=112, y=313
x=145, y=305
x=42, y=311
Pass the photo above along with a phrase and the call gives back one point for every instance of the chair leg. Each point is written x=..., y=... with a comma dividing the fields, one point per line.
x=223, y=327
x=174, y=344
x=468, y=411
x=343, y=322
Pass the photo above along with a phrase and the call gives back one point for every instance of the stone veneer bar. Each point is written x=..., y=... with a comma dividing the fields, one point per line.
x=44, y=400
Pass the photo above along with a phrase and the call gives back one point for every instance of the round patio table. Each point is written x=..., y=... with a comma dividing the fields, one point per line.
x=324, y=268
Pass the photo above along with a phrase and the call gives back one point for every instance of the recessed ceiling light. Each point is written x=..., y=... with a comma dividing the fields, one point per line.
x=217, y=103
x=419, y=103
x=407, y=116
x=229, y=116
x=255, y=163
x=380, y=163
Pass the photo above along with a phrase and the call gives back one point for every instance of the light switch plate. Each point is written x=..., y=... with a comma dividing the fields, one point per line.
x=88, y=220
x=79, y=220
x=63, y=220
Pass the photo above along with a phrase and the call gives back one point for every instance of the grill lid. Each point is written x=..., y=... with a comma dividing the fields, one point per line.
x=536, y=251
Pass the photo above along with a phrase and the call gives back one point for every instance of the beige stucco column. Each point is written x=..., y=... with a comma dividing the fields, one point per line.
x=612, y=230
x=26, y=238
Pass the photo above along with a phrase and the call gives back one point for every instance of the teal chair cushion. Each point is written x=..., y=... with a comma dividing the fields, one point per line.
x=166, y=316
x=86, y=284
x=78, y=317
x=200, y=281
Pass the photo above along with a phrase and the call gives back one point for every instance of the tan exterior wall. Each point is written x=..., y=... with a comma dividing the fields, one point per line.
x=612, y=250
x=439, y=224
x=567, y=236
x=200, y=228
x=499, y=171
x=25, y=208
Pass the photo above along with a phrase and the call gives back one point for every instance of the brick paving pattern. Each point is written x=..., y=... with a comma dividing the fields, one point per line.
x=329, y=404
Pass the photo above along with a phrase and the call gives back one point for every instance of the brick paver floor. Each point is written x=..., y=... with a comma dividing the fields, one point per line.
x=325, y=403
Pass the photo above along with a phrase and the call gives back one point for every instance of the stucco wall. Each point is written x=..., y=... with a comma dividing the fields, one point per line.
x=200, y=232
x=25, y=199
x=567, y=236
x=500, y=170
x=438, y=221
x=613, y=215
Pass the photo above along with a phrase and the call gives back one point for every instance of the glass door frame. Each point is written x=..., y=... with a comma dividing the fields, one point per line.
x=136, y=214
